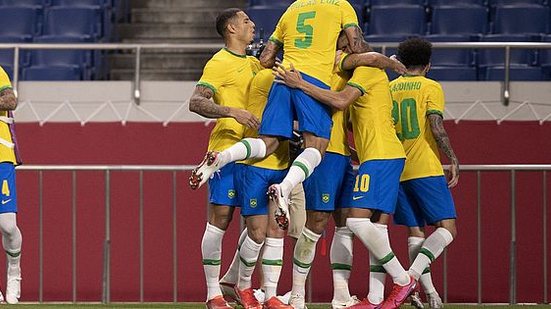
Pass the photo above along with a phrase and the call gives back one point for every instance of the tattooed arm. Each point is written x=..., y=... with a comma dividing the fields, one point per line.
x=355, y=38
x=268, y=55
x=202, y=104
x=8, y=102
x=443, y=141
x=372, y=59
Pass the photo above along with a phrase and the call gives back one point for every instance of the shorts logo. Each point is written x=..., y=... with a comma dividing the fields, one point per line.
x=253, y=203
x=231, y=194
x=4, y=202
x=355, y=198
x=325, y=198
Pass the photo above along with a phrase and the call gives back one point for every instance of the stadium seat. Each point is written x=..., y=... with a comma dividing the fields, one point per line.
x=458, y=2
x=270, y=2
x=50, y=73
x=444, y=73
x=389, y=51
x=40, y=3
x=84, y=22
x=521, y=20
x=545, y=54
x=496, y=57
x=516, y=73
x=396, y=2
x=515, y=2
x=52, y=57
x=102, y=3
x=452, y=56
x=6, y=55
x=21, y=23
x=459, y=20
x=406, y=20
x=265, y=19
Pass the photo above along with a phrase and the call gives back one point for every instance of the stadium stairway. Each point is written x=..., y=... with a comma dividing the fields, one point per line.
x=169, y=21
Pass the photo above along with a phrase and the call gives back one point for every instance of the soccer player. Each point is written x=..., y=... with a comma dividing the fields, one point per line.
x=424, y=196
x=9, y=158
x=222, y=93
x=307, y=32
x=381, y=162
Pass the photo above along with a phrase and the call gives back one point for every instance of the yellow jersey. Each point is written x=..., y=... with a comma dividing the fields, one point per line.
x=371, y=114
x=229, y=76
x=258, y=97
x=415, y=97
x=308, y=32
x=7, y=154
x=338, y=142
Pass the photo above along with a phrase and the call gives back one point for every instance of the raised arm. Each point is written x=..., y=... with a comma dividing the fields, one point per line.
x=443, y=141
x=8, y=102
x=355, y=38
x=201, y=103
x=372, y=59
x=268, y=55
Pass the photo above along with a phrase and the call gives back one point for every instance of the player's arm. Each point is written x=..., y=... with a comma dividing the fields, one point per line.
x=8, y=102
x=201, y=103
x=339, y=100
x=372, y=59
x=268, y=55
x=441, y=136
x=355, y=38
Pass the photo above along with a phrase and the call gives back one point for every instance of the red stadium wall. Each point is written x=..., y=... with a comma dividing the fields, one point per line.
x=185, y=143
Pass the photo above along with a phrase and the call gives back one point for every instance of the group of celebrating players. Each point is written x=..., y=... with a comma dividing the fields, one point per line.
x=329, y=82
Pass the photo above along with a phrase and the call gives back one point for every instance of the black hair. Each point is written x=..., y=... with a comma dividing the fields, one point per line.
x=223, y=19
x=415, y=52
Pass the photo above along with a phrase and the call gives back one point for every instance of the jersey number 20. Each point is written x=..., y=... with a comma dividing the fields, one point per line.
x=406, y=113
x=308, y=30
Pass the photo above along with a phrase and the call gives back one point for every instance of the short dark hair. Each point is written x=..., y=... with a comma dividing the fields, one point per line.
x=415, y=52
x=223, y=19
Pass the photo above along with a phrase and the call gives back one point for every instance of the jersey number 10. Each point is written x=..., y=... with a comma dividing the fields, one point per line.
x=406, y=114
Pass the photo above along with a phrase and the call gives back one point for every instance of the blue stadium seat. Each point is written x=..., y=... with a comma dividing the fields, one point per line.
x=516, y=73
x=6, y=55
x=521, y=20
x=103, y=3
x=265, y=19
x=459, y=20
x=396, y=2
x=45, y=57
x=406, y=20
x=49, y=73
x=440, y=73
x=545, y=54
x=373, y=39
x=41, y=3
x=458, y=2
x=270, y=2
x=84, y=22
x=496, y=57
x=19, y=22
x=451, y=57
x=515, y=2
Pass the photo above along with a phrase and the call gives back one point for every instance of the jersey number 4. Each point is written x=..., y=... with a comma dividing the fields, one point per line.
x=308, y=30
x=406, y=113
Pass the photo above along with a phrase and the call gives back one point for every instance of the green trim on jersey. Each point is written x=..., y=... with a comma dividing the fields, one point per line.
x=350, y=25
x=212, y=262
x=342, y=62
x=339, y=266
x=435, y=111
x=237, y=55
x=205, y=84
x=362, y=90
x=275, y=41
x=272, y=262
x=5, y=87
x=377, y=269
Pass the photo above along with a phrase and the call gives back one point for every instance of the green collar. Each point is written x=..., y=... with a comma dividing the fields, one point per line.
x=237, y=55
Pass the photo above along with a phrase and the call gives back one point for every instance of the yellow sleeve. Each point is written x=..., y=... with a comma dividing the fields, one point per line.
x=361, y=79
x=214, y=75
x=339, y=62
x=435, y=99
x=348, y=15
x=4, y=80
x=255, y=64
x=277, y=36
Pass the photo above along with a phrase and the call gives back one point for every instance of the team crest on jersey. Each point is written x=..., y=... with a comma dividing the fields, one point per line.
x=253, y=203
x=231, y=193
x=325, y=197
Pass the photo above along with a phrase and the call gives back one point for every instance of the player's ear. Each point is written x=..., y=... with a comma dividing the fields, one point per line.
x=231, y=27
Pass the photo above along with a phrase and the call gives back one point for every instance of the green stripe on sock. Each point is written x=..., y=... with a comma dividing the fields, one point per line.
x=272, y=262
x=248, y=146
x=212, y=262
x=426, y=271
x=302, y=167
x=248, y=264
x=387, y=258
x=13, y=254
x=426, y=252
x=339, y=266
x=300, y=264
x=377, y=269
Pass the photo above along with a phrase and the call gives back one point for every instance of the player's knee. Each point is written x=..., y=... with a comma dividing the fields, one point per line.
x=257, y=234
x=450, y=226
x=317, y=221
x=221, y=220
x=8, y=229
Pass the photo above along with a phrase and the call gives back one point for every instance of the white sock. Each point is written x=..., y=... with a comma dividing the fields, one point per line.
x=340, y=256
x=302, y=167
x=414, y=245
x=232, y=275
x=11, y=241
x=244, y=149
x=377, y=245
x=377, y=273
x=248, y=254
x=211, y=250
x=432, y=248
x=272, y=261
x=305, y=251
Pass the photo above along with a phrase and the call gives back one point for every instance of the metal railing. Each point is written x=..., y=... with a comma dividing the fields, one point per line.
x=108, y=169
x=139, y=48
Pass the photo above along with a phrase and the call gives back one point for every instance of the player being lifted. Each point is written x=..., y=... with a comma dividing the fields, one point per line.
x=424, y=196
x=307, y=32
x=222, y=93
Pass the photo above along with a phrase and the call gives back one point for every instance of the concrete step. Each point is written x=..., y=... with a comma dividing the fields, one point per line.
x=189, y=61
x=175, y=4
x=154, y=74
x=174, y=16
x=165, y=31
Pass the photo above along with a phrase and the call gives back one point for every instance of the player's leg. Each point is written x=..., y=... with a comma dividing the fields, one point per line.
x=377, y=273
x=11, y=235
x=416, y=236
x=230, y=278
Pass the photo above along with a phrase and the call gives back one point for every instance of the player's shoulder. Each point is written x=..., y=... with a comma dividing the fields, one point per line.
x=369, y=73
x=431, y=84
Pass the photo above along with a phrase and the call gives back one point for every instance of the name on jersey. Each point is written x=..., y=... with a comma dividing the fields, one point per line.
x=297, y=4
x=406, y=86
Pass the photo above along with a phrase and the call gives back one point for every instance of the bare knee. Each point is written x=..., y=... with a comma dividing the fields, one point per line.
x=256, y=228
x=449, y=225
x=312, y=141
x=271, y=143
x=316, y=221
x=220, y=216
x=416, y=231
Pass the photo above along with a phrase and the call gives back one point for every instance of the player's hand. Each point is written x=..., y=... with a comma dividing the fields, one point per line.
x=245, y=118
x=397, y=66
x=453, y=174
x=291, y=78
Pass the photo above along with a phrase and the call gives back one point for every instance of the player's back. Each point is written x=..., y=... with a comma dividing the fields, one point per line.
x=414, y=98
x=338, y=143
x=308, y=31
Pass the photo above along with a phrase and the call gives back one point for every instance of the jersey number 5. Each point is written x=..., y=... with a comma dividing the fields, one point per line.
x=406, y=113
x=308, y=30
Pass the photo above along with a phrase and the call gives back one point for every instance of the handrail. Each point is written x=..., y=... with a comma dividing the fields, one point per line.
x=138, y=48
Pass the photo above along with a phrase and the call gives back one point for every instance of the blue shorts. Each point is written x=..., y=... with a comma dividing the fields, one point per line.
x=424, y=201
x=252, y=184
x=330, y=186
x=221, y=187
x=287, y=104
x=8, y=202
x=376, y=185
